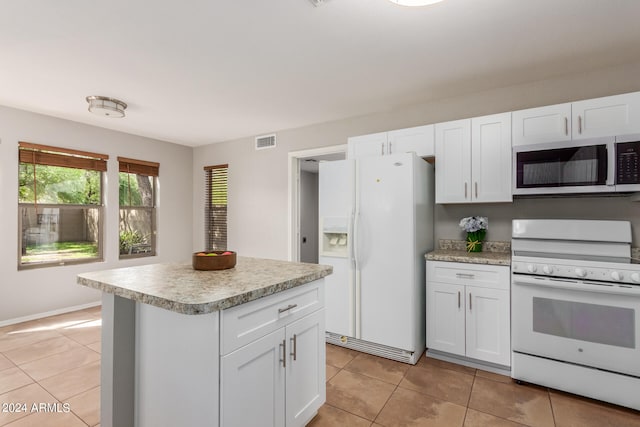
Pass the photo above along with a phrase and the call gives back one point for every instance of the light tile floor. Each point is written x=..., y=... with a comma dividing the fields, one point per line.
x=368, y=391
x=56, y=362
x=50, y=371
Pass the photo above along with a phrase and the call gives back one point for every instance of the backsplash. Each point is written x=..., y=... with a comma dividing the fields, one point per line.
x=447, y=216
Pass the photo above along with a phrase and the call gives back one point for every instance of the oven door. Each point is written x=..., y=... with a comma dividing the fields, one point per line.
x=583, y=167
x=590, y=324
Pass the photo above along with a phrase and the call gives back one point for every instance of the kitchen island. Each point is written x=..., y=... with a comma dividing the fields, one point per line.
x=236, y=347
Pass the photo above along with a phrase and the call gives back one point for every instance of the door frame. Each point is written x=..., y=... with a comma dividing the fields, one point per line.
x=293, y=162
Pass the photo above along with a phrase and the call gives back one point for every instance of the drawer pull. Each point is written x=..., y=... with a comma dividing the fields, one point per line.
x=294, y=345
x=289, y=307
x=283, y=344
x=465, y=275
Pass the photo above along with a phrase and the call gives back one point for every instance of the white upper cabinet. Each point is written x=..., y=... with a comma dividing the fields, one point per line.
x=611, y=115
x=374, y=144
x=544, y=124
x=417, y=139
x=473, y=160
x=453, y=161
x=591, y=118
x=491, y=158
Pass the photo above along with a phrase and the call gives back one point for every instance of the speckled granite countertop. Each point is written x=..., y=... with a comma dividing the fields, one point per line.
x=180, y=288
x=494, y=253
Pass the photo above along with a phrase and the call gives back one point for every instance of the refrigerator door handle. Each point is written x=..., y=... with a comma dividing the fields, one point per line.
x=352, y=241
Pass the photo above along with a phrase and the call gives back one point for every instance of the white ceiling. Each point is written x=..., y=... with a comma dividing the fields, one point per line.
x=196, y=72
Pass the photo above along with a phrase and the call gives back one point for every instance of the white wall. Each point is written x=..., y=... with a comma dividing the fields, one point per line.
x=27, y=293
x=258, y=214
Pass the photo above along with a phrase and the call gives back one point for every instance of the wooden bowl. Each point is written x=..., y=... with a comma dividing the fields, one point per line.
x=214, y=262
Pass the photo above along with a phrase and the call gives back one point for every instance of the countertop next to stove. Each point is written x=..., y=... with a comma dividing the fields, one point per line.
x=494, y=253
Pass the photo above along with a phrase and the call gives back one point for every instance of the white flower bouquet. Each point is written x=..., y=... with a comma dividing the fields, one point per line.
x=476, y=228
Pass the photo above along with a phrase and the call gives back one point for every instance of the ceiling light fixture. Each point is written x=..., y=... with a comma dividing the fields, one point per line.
x=105, y=106
x=415, y=2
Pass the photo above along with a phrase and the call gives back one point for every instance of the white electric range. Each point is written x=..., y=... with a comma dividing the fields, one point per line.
x=575, y=308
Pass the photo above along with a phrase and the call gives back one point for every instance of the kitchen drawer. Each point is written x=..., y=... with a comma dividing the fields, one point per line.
x=480, y=275
x=245, y=323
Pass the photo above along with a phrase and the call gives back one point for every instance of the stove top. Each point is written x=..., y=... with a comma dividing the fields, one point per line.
x=575, y=249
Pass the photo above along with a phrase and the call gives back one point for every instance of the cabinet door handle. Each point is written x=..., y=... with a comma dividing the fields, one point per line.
x=579, y=124
x=458, y=299
x=465, y=275
x=390, y=150
x=566, y=126
x=476, y=189
x=294, y=345
x=382, y=148
x=283, y=345
x=289, y=307
x=470, y=301
x=465, y=190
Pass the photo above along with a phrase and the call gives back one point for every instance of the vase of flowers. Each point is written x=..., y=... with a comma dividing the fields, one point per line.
x=476, y=228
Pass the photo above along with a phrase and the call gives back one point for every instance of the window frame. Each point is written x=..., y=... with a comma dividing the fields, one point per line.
x=148, y=169
x=45, y=155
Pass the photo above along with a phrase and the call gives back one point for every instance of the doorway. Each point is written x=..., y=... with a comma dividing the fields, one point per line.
x=303, y=200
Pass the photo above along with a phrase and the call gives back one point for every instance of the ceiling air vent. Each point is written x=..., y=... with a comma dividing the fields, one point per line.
x=265, y=141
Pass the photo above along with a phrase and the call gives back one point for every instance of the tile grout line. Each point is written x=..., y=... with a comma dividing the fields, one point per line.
x=466, y=409
x=553, y=413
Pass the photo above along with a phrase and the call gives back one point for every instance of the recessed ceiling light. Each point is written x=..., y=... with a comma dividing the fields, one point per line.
x=105, y=106
x=415, y=2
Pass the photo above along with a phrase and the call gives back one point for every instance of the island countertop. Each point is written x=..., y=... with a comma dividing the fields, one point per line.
x=180, y=288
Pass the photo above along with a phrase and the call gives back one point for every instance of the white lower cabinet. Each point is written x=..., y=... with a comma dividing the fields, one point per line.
x=468, y=311
x=305, y=373
x=252, y=384
x=276, y=380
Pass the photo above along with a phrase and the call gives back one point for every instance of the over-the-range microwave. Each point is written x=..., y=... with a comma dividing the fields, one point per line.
x=598, y=165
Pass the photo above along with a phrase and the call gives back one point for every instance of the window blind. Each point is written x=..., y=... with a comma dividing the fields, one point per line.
x=216, y=207
x=38, y=154
x=140, y=167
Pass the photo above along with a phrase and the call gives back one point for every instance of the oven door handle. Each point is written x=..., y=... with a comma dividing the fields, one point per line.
x=576, y=285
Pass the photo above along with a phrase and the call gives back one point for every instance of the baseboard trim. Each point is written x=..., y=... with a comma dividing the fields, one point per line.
x=472, y=363
x=48, y=313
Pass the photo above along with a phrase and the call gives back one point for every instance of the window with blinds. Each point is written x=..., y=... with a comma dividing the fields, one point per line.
x=60, y=205
x=216, y=207
x=137, y=194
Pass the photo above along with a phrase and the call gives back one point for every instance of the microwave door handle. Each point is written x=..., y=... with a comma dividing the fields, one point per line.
x=611, y=164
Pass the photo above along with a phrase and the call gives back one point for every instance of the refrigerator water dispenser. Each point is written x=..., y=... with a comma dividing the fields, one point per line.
x=335, y=236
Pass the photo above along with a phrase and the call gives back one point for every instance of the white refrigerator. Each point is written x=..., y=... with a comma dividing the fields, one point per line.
x=376, y=224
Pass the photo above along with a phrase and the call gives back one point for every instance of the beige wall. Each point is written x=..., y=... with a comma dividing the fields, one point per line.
x=29, y=293
x=258, y=180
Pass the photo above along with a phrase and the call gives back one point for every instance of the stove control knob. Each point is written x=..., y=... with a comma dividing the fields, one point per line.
x=547, y=269
x=531, y=268
x=616, y=275
x=635, y=277
x=580, y=272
